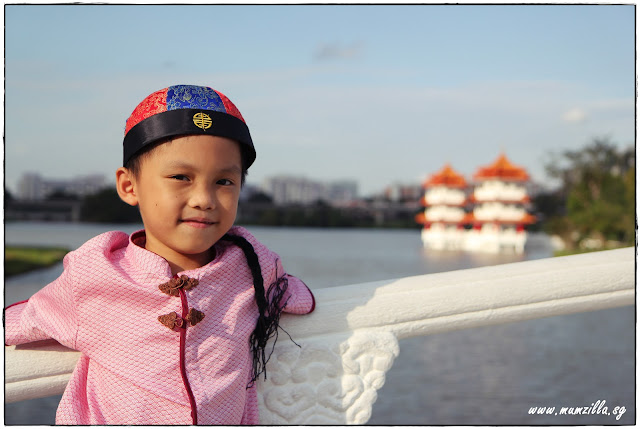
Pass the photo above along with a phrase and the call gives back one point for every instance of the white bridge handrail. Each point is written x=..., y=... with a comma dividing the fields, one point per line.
x=352, y=321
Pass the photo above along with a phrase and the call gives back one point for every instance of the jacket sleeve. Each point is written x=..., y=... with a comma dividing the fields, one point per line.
x=49, y=314
x=299, y=298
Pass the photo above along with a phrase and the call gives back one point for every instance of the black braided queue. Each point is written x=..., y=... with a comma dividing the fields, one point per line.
x=269, y=308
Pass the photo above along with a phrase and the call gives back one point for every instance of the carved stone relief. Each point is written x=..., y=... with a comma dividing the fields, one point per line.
x=330, y=379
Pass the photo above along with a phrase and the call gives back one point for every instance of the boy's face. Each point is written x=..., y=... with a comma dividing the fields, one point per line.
x=188, y=191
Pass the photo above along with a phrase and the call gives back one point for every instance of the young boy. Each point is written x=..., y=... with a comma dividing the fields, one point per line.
x=173, y=321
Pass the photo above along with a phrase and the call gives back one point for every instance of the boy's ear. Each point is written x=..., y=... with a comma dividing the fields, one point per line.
x=125, y=185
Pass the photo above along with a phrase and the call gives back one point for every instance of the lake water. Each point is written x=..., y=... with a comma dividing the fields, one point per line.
x=482, y=376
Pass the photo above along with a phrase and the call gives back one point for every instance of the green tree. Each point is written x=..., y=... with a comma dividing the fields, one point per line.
x=107, y=207
x=8, y=196
x=598, y=188
x=60, y=195
x=260, y=197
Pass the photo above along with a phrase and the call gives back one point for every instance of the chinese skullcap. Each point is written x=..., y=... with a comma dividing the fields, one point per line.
x=186, y=110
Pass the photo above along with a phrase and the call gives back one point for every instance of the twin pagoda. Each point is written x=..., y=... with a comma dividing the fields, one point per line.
x=488, y=216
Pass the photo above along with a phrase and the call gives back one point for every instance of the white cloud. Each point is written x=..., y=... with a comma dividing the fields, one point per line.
x=574, y=115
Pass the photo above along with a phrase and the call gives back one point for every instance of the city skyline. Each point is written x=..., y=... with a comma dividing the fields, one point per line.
x=32, y=184
x=390, y=95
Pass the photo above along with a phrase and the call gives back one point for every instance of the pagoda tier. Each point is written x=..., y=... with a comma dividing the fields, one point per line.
x=502, y=169
x=473, y=200
x=446, y=187
x=498, y=212
x=495, y=238
x=441, y=213
x=441, y=195
x=498, y=190
x=446, y=177
x=441, y=236
x=465, y=219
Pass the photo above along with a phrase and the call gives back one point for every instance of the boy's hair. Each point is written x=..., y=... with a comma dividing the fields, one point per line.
x=181, y=110
x=133, y=164
x=270, y=302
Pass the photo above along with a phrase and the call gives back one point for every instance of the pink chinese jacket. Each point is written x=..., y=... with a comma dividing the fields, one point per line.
x=152, y=356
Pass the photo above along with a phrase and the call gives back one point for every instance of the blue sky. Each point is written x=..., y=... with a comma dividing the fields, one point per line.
x=375, y=93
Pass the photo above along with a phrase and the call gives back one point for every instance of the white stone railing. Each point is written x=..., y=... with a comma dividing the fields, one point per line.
x=351, y=340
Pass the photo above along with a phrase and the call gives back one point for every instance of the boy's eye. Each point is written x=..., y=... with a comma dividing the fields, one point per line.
x=180, y=177
x=225, y=182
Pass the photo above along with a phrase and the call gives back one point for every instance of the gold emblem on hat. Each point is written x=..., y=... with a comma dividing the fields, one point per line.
x=202, y=120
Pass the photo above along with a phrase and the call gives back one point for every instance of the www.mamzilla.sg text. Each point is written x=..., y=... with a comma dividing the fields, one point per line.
x=596, y=408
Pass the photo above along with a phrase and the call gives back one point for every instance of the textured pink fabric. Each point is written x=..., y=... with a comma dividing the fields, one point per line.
x=106, y=304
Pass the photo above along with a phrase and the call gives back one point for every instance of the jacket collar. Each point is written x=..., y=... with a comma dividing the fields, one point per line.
x=143, y=259
x=150, y=263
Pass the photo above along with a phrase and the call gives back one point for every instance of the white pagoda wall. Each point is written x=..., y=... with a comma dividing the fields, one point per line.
x=444, y=195
x=493, y=238
x=499, y=211
x=444, y=214
x=443, y=237
x=491, y=190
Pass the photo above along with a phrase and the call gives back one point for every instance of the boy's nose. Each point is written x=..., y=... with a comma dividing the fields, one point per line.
x=203, y=198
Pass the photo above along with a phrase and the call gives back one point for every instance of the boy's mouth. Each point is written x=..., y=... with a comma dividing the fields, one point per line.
x=198, y=222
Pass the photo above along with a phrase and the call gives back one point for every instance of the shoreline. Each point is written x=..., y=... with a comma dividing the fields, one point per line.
x=23, y=259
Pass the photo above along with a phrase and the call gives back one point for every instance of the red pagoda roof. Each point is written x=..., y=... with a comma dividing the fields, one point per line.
x=526, y=219
x=502, y=168
x=446, y=177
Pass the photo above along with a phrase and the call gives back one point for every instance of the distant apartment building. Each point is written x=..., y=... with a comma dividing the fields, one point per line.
x=33, y=187
x=300, y=190
x=399, y=192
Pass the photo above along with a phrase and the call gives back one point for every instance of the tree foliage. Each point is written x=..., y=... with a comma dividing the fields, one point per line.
x=598, y=191
x=106, y=206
